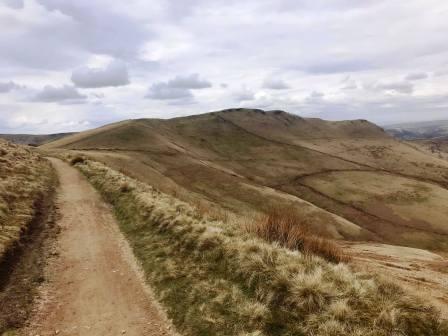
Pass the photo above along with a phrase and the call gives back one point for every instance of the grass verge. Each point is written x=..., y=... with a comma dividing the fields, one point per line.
x=216, y=280
x=26, y=194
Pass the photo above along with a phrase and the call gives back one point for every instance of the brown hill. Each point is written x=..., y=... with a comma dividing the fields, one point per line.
x=348, y=179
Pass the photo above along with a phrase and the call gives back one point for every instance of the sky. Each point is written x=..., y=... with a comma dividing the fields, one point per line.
x=74, y=65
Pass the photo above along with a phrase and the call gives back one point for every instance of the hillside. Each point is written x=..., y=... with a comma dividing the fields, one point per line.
x=347, y=179
x=33, y=139
x=214, y=278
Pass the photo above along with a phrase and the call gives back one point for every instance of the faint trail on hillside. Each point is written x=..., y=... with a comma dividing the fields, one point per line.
x=94, y=286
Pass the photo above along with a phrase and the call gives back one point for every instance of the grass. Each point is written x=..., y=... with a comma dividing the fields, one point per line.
x=285, y=226
x=216, y=280
x=26, y=185
x=24, y=179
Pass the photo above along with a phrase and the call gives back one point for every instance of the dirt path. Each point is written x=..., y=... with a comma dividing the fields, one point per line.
x=94, y=286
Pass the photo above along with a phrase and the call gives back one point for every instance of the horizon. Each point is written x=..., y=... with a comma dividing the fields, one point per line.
x=201, y=113
x=69, y=67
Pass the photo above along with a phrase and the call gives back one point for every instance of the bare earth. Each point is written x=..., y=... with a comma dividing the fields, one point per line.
x=94, y=286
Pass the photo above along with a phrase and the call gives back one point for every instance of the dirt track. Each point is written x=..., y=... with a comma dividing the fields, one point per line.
x=94, y=285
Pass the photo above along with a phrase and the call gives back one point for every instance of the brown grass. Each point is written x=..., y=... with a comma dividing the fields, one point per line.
x=284, y=226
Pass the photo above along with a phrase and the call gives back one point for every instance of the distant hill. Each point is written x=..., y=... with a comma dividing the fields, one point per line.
x=33, y=139
x=350, y=179
x=419, y=130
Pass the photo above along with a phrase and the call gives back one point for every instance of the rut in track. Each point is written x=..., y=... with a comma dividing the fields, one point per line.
x=94, y=285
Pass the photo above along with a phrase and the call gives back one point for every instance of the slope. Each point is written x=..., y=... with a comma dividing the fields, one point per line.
x=247, y=160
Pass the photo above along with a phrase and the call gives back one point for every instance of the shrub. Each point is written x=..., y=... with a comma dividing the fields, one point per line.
x=77, y=159
x=284, y=226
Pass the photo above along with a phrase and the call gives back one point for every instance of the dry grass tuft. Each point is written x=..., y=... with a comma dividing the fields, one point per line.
x=284, y=226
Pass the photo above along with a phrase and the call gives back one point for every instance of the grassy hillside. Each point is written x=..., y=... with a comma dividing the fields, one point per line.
x=248, y=160
x=215, y=279
x=33, y=139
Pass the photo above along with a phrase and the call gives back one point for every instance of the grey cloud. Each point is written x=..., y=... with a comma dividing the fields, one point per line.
x=275, y=84
x=244, y=95
x=16, y=4
x=416, y=76
x=163, y=91
x=178, y=88
x=189, y=82
x=339, y=66
x=115, y=74
x=396, y=87
x=100, y=28
x=315, y=97
x=65, y=94
x=9, y=86
x=441, y=73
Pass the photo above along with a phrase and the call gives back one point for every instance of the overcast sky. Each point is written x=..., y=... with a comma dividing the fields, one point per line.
x=72, y=65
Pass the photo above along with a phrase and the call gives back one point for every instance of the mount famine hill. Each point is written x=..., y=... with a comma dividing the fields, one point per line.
x=348, y=179
x=33, y=139
x=420, y=130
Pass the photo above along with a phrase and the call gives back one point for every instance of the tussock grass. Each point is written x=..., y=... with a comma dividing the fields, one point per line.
x=285, y=226
x=24, y=179
x=215, y=280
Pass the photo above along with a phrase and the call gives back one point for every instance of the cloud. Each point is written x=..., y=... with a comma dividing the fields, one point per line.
x=315, y=97
x=312, y=44
x=65, y=94
x=189, y=82
x=9, y=86
x=115, y=74
x=15, y=4
x=163, y=91
x=416, y=76
x=244, y=95
x=178, y=88
x=102, y=27
x=275, y=84
x=339, y=66
x=392, y=87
